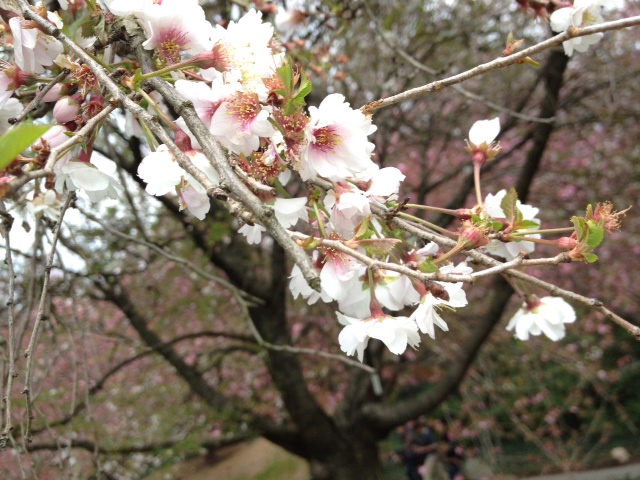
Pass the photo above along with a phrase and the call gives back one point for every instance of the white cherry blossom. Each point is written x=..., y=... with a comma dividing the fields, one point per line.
x=97, y=185
x=395, y=332
x=289, y=210
x=546, y=315
x=33, y=50
x=509, y=250
x=174, y=28
x=426, y=314
x=583, y=13
x=484, y=131
x=253, y=233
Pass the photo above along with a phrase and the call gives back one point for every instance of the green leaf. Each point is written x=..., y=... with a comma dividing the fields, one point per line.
x=496, y=226
x=428, y=267
x=580, y=226
x=286, y=74
x=303, y=90
x=509, y=207
x=595, y=234
x=526, y=225
x=590, y=257
x=17, y=140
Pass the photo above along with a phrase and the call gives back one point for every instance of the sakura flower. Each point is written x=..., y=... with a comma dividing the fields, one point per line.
x=163, y=175
x=545, y=315
x=46, y=204
x=337, y=268
x=481, y=140
x=289, y=210
x=33, y=50
x=426, y=314
x=239, y=123
x=583, y=13
x=509, y=250
x=174, y=28
x=160, y=172
x=337, y=145
x=206, y=100
x=246, y=43
x=299, y=287
x=395, y=332
x=253, y=233
x=97, y=185
x=484, y=131
x=348, y=207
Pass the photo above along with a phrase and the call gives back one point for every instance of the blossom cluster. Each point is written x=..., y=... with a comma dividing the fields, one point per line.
x=251, y=99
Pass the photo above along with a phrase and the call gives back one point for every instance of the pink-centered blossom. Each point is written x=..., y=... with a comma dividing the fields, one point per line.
x=174, y=28
x=337, y=146
x=239, y=123
x=546, y=315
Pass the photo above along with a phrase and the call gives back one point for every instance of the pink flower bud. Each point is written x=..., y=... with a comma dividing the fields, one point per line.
x=67, y=108
x=566, y=243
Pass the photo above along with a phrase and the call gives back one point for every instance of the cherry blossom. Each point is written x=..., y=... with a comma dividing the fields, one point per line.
x=239, y=123
x=426, y=314
x=299, y=287
x=289, y=210
x=584, y=13
x=253, y=233
x=33, y=50
x=163, y=175
x=337, y=141
x=509, y=250
x=545, y=315
x=395, y=332
x=97, y=185
x=174, y=28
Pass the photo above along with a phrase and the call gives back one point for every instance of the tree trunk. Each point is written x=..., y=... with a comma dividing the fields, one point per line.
x=359, y=460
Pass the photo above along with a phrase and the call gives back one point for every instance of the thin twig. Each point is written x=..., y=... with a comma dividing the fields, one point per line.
x=308, y=351
x=174, y=258
x=458, y=88
x=77, y=138
x=40, y=93
x=5, y=229
x=41, y=315
x=498, y=63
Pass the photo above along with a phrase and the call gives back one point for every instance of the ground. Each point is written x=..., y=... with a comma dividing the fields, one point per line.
x=258, y=459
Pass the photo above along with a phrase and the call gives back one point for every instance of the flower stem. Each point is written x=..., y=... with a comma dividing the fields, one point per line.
x=428, y=224
x=447, y=211
x=534, y=240
x=155, y=106
x=548, y=230
x=454, y=251
x=316, y=210
x=476, y=181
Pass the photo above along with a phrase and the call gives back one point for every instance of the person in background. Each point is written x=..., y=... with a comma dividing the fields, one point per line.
x=418, y=444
